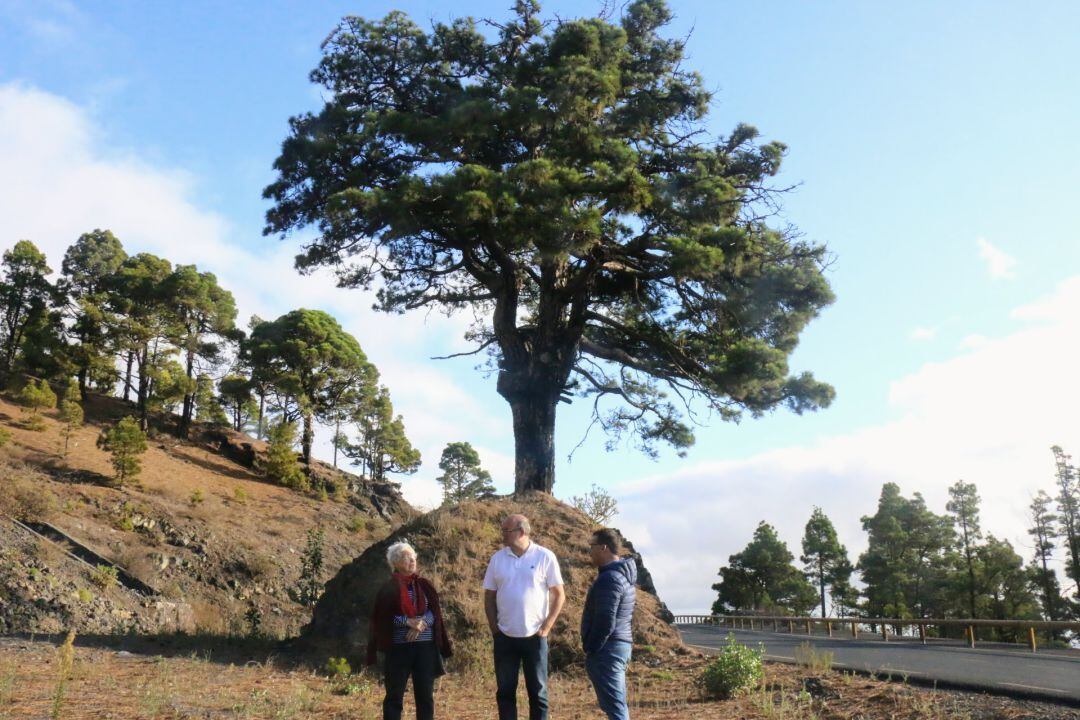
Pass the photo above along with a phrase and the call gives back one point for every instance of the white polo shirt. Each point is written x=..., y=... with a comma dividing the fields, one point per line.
x=521, y=587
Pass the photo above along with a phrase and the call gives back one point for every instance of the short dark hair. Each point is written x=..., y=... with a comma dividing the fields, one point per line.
x=608, y=538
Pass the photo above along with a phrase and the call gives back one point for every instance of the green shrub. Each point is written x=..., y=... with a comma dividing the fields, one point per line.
x=735, y=670
x=196, y=497
x=84, y=595
x=104, y=576
x=338, y=667
x=5, y=436
x=357, y=524
x=240, y=495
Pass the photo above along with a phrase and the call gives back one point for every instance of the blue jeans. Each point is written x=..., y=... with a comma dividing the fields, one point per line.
x=607, y=671
x=530, y=655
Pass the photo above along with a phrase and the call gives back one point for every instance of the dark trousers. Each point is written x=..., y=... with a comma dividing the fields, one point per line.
x=607, y=671
x=529, y=655
x=402, y=660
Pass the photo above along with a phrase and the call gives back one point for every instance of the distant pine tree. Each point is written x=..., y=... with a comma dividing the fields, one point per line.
x=71, y=414
x=463, y=478
x=126, y=442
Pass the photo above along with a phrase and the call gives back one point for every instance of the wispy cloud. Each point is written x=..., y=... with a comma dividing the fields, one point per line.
x=999, y=263
x=923, y=333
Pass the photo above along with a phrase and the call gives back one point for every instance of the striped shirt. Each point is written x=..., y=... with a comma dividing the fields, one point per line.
x=401, y=624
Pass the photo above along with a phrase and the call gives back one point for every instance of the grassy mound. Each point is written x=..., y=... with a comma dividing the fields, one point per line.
x=454, y=545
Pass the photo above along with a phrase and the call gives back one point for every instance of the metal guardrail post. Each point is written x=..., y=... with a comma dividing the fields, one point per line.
x=885, y=632
x=922, y=633
x=1031, y=638
x=855, y=630
x=828, y=628
x=971, y=635
x=791, y=626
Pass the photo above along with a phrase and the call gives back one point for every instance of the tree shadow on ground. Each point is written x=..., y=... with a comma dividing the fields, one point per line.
x=222, y=649
x=218, y=466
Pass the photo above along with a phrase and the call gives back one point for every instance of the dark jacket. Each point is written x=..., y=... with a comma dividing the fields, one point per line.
x=609, y=606
x=388, y=604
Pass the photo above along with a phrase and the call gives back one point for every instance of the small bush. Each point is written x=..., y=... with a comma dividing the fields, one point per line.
x=104, y=576
x=240, y=495
x=735, y=670
x=5, y=436
x=196, y=497
x=337, y=667
x=84, y=595
x=357, y=524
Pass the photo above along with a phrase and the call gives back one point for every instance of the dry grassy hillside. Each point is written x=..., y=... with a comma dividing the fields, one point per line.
x=199, y=527
x=454, y=545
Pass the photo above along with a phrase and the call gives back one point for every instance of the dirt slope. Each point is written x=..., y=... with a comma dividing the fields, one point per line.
x=200, y=527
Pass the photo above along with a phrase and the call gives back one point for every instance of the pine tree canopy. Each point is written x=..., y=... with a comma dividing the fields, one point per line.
x=558, y=178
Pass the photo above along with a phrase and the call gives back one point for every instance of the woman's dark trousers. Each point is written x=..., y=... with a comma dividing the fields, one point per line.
x=402, y=660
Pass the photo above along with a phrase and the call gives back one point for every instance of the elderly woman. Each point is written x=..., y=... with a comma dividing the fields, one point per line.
x=407, y=625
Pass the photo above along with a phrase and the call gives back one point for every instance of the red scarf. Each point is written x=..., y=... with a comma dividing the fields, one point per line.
x=408, y=608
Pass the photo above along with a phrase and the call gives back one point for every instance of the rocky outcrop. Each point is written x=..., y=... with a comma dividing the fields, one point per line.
x=454, y=546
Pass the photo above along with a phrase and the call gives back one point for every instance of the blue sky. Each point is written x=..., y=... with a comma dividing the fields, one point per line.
x=933, y=146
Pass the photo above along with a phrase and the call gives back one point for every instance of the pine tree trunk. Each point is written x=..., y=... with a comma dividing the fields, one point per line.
x=821, y=580
x=308, y=438
x=533, y=409
x=189, y=399
x=144, y=388
x=83, y=390
x=127, y=375
x=259, y=427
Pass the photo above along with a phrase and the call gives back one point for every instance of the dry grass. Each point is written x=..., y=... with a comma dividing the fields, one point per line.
x=121, y=686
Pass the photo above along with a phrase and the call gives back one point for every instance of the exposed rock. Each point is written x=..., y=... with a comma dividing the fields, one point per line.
x=453, y=547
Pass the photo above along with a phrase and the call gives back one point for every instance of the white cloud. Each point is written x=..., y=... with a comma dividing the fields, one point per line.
x=923, y=333
x=988, y=416
x=973, y=341
x=59, y=179
x=998, y=263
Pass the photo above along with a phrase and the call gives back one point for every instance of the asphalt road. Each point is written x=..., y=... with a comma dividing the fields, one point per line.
x=1013, y=671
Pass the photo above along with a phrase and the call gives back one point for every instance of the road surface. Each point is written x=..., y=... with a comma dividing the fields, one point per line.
x=1049, y=674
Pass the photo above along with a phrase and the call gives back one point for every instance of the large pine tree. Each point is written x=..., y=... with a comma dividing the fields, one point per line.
x=560, y=180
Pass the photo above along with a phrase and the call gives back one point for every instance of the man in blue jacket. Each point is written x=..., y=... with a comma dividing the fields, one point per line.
x=605, y=623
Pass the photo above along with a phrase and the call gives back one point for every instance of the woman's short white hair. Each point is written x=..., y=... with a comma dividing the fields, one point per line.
x=395, y=551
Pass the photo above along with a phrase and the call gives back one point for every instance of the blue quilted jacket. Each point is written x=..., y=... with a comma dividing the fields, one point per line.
x=609, y=606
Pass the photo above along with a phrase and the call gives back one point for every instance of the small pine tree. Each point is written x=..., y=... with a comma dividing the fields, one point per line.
x=36, y=396
x=126, y=442
x=463, y=478
x=309, y=587
x=281, y=464
x=71, y=414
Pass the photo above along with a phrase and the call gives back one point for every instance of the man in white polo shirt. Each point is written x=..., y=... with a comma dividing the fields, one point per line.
x=523, y=595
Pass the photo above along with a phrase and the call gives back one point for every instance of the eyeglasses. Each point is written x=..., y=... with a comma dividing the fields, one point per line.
x=511, y=530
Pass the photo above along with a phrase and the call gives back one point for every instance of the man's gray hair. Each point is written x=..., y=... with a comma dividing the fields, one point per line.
x=526, y=528
x=395, y=551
